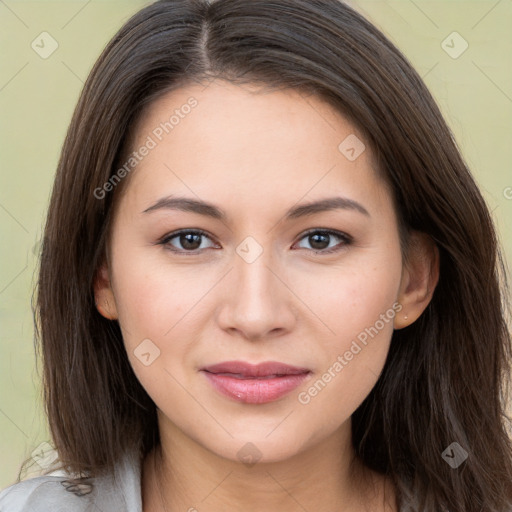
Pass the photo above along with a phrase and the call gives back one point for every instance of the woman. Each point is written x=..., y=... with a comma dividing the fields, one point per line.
x=203, y=349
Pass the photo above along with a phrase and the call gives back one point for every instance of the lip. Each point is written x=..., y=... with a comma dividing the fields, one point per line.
x=254, y=384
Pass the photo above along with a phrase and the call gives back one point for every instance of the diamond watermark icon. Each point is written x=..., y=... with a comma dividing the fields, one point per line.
x=454, y=455
x=351, y=147
x=146, y=352
x=44, y=45
x=249, y=454
x=249, y=249
x=454, y=45
x=44, y=455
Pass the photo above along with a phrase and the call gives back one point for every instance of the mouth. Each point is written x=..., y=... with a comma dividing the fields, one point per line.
x=254, y=384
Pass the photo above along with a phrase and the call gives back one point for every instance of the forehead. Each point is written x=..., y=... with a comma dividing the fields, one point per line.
x=223, y=139
x=245, y=110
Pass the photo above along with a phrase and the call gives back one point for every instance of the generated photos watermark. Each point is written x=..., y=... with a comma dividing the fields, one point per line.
x=344, y=359
x=151, y=142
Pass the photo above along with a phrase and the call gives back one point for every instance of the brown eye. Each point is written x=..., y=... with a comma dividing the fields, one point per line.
x=186, y=241
x=320, y=240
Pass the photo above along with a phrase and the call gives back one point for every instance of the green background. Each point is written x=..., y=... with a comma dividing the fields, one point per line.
x=37, y=97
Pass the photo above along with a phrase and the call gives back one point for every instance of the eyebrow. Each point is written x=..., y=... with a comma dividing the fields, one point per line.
x=186, y=204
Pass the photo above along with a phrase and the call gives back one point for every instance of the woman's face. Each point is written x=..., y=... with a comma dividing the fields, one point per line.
x=259, y=283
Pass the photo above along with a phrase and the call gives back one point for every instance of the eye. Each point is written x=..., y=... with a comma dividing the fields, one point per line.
x=190, y=241
x=320, y=240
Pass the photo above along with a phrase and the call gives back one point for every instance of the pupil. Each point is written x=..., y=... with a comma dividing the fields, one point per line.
x=187, y=241
x=315, y=238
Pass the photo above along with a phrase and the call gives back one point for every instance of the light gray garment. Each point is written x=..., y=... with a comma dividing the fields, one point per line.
x=50, y=493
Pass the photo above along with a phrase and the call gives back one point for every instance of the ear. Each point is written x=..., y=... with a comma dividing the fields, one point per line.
x=103, y=294
x=419, y=278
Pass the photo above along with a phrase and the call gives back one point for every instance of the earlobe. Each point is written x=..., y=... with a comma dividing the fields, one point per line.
x=419, y=279
x=103, y=294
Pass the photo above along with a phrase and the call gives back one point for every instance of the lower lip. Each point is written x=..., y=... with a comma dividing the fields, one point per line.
x=256, y=390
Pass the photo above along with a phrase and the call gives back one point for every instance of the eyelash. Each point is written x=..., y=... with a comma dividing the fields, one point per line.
x=346, y=240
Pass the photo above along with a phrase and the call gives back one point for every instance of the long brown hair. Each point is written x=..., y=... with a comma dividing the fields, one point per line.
x=446, y=377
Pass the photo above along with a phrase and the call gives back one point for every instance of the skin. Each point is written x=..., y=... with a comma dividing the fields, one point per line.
x=255, y=154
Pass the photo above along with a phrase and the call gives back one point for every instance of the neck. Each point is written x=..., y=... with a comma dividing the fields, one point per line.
x=180, y=475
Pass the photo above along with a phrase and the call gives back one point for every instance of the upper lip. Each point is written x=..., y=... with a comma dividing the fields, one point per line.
x=255, y=370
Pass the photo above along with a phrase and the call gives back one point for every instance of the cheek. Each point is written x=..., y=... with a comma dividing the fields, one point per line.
x=152, y=305
x=359, y=307
x=151, y=300
x=350, y=298
x=164, y=304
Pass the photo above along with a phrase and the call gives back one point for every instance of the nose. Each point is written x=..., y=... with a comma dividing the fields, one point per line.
x=258, y=302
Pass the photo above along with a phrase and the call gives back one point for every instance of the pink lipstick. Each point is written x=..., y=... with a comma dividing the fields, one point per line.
x=255, y=384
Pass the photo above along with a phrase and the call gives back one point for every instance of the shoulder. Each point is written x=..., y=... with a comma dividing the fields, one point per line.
x=42, y=492
x=63, y=493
